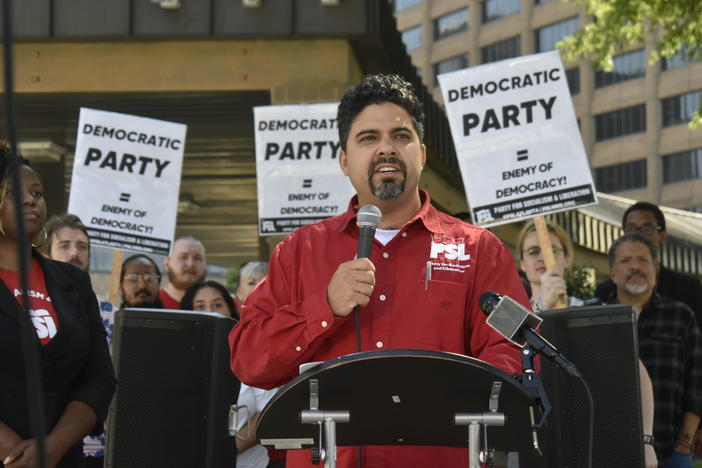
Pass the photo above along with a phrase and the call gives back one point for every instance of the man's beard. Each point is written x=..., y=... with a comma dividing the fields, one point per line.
x=152, y=304
x=636, y=288
x=76, y=261
x=388, y=189
x=174, y=280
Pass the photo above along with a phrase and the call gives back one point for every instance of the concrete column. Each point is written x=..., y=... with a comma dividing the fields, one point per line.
x=654, y=164
x=474, y=22
x=527, y=34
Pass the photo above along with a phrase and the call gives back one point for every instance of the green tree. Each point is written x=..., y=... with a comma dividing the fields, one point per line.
x=620, y=24
x=231, y=279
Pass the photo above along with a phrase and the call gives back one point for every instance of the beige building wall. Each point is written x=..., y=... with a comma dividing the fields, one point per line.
x=649, y=90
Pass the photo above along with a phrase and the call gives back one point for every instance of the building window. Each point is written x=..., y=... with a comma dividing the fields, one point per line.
x=695, y=209
x=681, y=59
x=412, y=38
x=450, y=24
x=548, y=36
x=452, y=64
x=494, y=9
x=618, y=177
x=685, y=165
x=620, y=122
x=625, y=67
x=501, y=50
x=679, y=109
x=402, y=5
x=536, y=2
x=573, y=77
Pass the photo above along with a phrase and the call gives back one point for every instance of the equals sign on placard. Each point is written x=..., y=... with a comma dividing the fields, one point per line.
x=124, y=197
x=522, y=155
x=307, y=183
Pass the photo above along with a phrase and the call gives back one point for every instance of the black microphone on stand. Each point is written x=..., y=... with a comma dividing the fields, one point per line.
x=368, y=218
x=513, y=321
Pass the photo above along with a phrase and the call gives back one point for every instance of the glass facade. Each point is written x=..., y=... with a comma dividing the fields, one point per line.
x=412, y=38
x=679, y=109
x=501, y=50
x=620, y=122
x=686, y=165
x=682, y=59
x=625, y=67
x=451, y=64
x=402, y=5
x=573, y=77
x=494, y=9
x=618, y=177
x=450, y=24
x=548, y=36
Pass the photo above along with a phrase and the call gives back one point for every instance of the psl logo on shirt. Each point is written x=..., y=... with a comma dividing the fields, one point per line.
x=43, y=323
x=449, y=250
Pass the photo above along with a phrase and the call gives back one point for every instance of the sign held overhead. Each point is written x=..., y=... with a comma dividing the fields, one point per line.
x=517, y=139
x=126, y=179
x=297, y=167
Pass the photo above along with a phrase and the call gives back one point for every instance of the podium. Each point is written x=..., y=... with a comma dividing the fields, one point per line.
x=401, y=397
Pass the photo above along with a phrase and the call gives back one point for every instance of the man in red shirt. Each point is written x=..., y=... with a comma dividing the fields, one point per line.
x=185, y=266
x=301, y=311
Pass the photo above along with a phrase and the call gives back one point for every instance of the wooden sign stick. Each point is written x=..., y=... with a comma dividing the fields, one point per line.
x=113, y=295
x=547, y=251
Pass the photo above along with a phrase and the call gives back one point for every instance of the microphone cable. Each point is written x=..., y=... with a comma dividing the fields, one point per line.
x=591, y=420
x=30, y=344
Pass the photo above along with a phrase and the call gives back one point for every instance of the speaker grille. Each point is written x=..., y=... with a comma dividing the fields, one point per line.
x=160, y=414
x=602, y=343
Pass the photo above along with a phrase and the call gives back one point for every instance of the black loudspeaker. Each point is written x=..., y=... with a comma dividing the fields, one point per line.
x=174, y=391
x=602, y=342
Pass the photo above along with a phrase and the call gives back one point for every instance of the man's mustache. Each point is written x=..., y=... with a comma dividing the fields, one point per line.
x=389, y=160
x=635, y=273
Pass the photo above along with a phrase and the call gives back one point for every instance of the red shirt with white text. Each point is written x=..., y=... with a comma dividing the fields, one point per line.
x=41, y=310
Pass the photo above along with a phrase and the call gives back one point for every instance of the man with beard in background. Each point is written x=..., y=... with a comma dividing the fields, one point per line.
x=139, y=282
x=670, y=346
x=185, y=266
x=67, y=240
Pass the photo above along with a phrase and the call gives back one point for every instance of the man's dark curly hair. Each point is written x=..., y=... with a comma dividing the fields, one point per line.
x=378, y=89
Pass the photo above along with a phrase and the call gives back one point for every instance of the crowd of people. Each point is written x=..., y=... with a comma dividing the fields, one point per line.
x=299, y=307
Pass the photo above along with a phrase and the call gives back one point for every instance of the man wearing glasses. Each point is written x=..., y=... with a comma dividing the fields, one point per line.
x=647, y=219
x=139, y=282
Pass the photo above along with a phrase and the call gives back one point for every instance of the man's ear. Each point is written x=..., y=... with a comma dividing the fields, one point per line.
x=343, y=162
x=664, y=236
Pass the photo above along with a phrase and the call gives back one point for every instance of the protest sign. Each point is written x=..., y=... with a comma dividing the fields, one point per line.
x=517, y=139
x=126, y=179
x=297, y=167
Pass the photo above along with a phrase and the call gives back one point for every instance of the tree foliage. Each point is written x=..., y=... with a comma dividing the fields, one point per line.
x=619, y=25
x=578, y=281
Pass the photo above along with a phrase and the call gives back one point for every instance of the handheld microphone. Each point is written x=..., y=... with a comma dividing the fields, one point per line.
x=511, y=320
x=368, y=218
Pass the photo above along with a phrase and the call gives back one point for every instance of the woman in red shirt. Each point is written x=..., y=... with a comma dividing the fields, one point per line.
x=78, y=378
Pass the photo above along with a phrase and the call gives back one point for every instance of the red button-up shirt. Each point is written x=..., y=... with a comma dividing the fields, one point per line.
x=286, y=320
